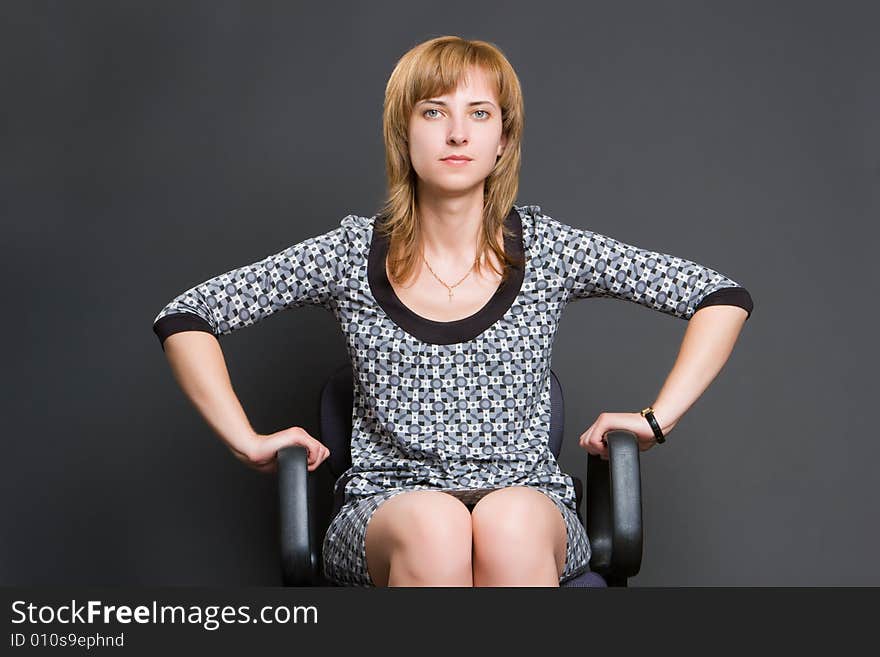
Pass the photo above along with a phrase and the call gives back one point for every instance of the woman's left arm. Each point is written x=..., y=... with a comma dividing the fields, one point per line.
x=708, y=342
x=587, y=264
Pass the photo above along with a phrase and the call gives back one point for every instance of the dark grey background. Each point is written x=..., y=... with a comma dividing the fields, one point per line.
x=149, y=146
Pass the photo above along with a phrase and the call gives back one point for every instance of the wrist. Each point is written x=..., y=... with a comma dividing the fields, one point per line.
x=664, y=418
x=246, y=443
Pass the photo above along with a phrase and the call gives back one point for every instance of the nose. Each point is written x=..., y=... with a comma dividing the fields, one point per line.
x=457, y=132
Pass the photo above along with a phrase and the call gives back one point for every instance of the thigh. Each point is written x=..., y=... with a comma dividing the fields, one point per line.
x=419, y=520
x=520, y=515
x=345, y=561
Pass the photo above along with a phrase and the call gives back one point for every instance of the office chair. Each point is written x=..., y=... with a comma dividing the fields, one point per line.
x=308, y=505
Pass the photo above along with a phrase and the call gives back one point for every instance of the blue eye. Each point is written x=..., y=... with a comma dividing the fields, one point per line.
x=434, y=109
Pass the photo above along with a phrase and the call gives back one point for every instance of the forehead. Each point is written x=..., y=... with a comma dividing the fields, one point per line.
x=474, y=82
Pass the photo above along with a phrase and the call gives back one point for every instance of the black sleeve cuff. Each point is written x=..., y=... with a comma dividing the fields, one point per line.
x=728, y=296
x=178, y=322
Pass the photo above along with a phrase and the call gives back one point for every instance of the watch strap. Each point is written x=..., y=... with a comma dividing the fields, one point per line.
x=648, y=414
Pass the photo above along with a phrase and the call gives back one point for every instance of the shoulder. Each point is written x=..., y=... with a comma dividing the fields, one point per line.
x=353, y=232
x=357, y=223
x=350, y=235
x=540, y=228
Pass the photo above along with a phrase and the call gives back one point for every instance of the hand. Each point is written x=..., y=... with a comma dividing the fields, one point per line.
x=593, y=439
x=262, y=453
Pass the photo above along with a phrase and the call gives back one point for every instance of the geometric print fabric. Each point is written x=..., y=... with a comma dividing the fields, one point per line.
x=467, y=417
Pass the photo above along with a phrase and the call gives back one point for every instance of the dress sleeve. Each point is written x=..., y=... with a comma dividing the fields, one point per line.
x=595, y=265
x=312, y=272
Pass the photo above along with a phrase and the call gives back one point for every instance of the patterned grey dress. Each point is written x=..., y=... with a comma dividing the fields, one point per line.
x=462, y=406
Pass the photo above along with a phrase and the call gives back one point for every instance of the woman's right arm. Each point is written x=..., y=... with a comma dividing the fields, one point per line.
x=199, y=367
x=189, y=328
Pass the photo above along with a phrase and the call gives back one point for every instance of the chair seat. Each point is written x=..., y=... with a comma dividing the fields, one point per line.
x=588, y=578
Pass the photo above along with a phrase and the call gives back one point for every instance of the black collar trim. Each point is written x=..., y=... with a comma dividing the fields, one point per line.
x=459, y=330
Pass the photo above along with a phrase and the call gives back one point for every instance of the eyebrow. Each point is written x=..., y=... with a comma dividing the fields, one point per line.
x=440, y=102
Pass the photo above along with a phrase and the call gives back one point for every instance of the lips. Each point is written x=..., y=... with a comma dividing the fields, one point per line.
x=456, y=158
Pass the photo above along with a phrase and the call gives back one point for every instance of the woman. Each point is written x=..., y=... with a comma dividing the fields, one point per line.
x=449, y=300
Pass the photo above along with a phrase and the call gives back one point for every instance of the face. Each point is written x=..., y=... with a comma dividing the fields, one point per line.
x=464, y=123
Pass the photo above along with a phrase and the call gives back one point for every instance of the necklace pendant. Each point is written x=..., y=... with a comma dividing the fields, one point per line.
x=450, y=295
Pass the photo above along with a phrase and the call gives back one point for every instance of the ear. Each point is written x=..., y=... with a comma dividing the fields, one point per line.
x=501, y=145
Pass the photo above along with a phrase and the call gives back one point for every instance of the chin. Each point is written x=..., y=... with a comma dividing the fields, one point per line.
x=455, y=181
x=443, y=187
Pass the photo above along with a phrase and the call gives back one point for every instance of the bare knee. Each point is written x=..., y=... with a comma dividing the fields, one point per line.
x=420, y=538
x=519, y=539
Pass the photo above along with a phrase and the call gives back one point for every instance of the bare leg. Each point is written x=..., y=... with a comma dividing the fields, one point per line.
x=519, y=539
x=420, y=538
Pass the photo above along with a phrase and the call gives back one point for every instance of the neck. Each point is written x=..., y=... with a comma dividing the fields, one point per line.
x=450, y=226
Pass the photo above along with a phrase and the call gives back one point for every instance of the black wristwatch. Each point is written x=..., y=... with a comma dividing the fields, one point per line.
x=648, y=414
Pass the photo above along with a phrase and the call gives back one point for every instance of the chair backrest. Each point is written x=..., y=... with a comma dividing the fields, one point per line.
x=337, y=406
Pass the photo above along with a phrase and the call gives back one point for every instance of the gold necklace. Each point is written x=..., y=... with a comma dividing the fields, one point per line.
x=449, y=287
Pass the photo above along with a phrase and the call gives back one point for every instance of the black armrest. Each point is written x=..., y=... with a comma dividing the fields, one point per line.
x=298, y=556
x=614, y=508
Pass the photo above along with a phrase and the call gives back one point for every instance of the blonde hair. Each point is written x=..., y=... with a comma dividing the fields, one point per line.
x=432, y=68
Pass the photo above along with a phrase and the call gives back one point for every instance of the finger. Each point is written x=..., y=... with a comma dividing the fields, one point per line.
x=599, y=430
x=592, y=438
x=584, y=443
x=585, y=437
x=316, y=448
x=310, y=449
x=320, y=449
x=599, y=443
x=591, y=446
